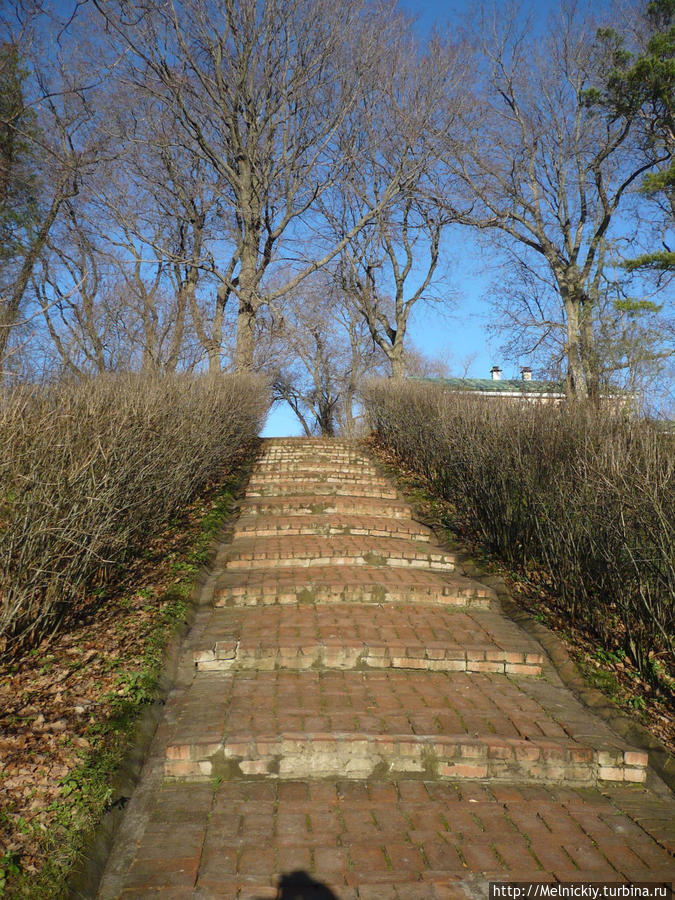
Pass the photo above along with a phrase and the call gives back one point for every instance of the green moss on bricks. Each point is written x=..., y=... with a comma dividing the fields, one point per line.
x=374, y=560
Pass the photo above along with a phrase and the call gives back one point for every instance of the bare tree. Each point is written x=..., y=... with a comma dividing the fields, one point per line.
x=388, y=266
x=545, y=169
x=633, y=337
x=264, y=92
x=384, y=257
x=363, y=360
x=322, y=351
x=51, y=140
x=167, y=207
x=104, y=285
x=67, y=285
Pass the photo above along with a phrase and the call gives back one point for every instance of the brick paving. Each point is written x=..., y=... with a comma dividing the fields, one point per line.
x=352, y=709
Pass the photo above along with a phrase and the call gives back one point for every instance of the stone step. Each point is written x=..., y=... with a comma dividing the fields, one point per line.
x=320, y=489
x=340, y=550
x=365, y=636
x=339, y=506
x=348, y=584
x=386, y=701
x=226, y=654
x=373, y=526
x=357, y=464
x=316, y=445
x=404, y=838
x=298, y=755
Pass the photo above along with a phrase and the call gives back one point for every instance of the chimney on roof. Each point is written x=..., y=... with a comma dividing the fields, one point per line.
x=496, y=373
x=526, y=373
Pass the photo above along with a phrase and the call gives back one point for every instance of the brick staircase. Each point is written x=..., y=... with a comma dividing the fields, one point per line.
x=354, y=719
x=345, y=642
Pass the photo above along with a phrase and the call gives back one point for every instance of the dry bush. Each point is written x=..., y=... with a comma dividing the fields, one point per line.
x=586, y=496
x=88, y=470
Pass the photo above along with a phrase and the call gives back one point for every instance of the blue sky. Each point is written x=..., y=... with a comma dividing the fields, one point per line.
x=454, y=331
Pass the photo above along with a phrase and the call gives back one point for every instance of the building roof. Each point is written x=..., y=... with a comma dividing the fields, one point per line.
x=501, y=386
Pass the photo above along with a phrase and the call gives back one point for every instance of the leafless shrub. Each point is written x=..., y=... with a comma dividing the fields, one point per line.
x=587, y=496
x=89, y=470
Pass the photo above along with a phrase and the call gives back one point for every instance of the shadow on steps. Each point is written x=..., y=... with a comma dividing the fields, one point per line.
x=300, y=886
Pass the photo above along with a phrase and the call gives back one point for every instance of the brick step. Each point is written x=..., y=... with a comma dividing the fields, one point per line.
x=355, y=464
x=310, y=442
x=315, y=445
x=361, y=724
x=341, y=458
x=309, y=504
x=348, y=584
x=236, y=654
x=373, y=526
x=401, y=839
x=299, y=755
x=320, y=489
x=340, y=550
x=377, y=702
x=328, y=475
x=418, y=631
x=282, y=456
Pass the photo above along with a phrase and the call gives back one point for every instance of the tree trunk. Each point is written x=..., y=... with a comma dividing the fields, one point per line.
x=178, y=331
x=9, y=314
x=245, y=337
x=575, y=372
x=216, y=342
x=589, y=356
x=248, y=303
x=326, y=423
x=350, y=427
x=397, y=360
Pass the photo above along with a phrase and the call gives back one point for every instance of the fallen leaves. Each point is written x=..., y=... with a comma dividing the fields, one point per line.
x=57, y=703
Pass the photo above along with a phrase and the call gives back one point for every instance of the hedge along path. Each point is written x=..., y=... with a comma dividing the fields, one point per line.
x=355, y=708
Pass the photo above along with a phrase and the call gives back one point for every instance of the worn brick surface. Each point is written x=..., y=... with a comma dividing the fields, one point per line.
x=421, y=840
x=353, y=713
x=373, y=526
x=348, y=583
x=303, y=504
x=334, y=550
x=363, y=635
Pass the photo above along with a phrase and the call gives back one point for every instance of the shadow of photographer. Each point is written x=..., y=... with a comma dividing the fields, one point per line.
x=300, y=886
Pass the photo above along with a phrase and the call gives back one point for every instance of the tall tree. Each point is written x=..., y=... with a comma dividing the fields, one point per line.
x=545, y=169
x=633, y=337
x=49, y=140
x=388, y=267
x=321, y=351
x=262, y=91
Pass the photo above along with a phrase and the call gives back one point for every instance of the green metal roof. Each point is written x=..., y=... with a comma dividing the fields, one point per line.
x=505, y=386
